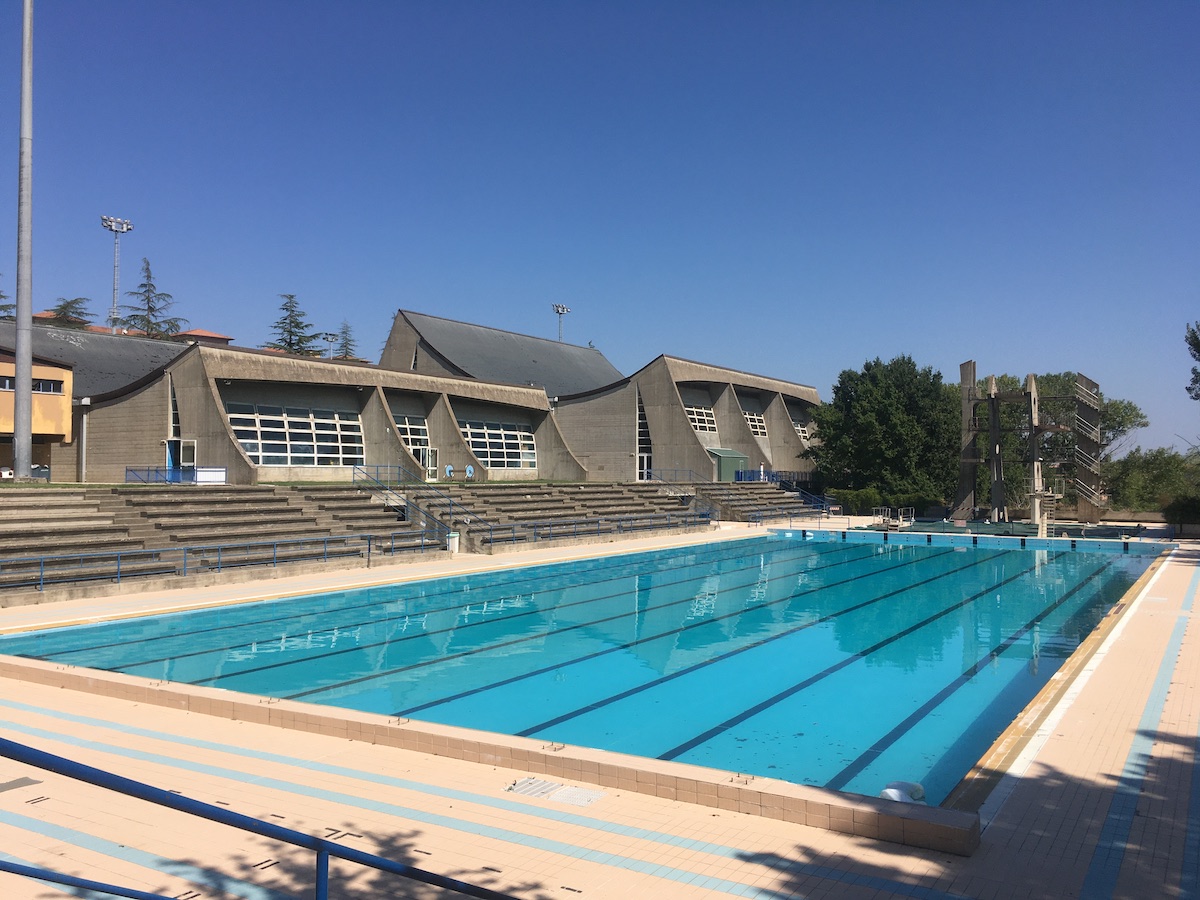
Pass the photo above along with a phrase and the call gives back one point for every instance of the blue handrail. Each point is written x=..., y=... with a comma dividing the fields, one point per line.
x=322, y=847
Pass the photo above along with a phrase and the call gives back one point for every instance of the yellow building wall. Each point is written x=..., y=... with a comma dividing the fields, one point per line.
x=51, y=412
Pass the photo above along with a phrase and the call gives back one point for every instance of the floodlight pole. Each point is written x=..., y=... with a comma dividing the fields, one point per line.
x=118, y=227
x=330, y=337
x=23, y=376
x=560, y=310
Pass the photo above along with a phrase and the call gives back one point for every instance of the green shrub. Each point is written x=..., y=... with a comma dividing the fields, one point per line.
x=857, y=503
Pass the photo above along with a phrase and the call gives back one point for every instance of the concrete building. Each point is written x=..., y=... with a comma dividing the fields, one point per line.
x=449, y=400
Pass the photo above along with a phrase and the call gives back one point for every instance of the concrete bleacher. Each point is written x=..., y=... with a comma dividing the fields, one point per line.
x=56, y=535
x=487, y=515
x=753, y=501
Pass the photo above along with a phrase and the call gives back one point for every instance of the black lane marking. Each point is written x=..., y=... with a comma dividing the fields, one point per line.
x=717, y=552
x=538, y=636
x=872, y=753
x=607, y=701
x=514, y=616
x=664, y=634
x=709, y=734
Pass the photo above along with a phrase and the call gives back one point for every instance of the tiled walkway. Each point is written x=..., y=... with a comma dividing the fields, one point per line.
x=1102, y=804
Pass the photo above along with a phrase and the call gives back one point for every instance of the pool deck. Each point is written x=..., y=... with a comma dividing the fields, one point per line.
x=1101, y=796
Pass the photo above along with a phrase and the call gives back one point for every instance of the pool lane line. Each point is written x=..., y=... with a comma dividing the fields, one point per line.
x=537, y=812
x=200, y=876
x=540, y=636
x=663, y=635
x=716, y=730
x=394, y=574
x=663, y=679
x=715, y=551
x=868, y=756
x=558, y=588
x=478, y=829
x=227, y=676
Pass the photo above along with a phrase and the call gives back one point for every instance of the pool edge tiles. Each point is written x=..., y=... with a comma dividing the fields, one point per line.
x=934, y=828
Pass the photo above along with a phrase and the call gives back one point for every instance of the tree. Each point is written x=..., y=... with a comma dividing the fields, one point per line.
x=71, y=313
x=1192, y=337
x=8, y=311
x=892, y=427
x=346, y=345
x=148, y=313
x=292, y=334
x=1151, y=479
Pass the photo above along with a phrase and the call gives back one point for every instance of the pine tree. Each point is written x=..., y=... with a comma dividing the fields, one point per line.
x=148, y=314
x=8, y=311
x=346, y=345
x=71, y=313
x=292, y=334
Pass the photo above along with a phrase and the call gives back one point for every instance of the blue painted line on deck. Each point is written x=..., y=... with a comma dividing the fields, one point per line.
x=1189, y=878
x=1109, y=855
x=505, y=835
x=201, y=877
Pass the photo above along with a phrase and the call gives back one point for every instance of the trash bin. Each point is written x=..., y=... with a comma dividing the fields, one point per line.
x=452, y=542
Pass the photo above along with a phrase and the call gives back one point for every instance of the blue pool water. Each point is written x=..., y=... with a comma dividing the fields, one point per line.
x=843, y=663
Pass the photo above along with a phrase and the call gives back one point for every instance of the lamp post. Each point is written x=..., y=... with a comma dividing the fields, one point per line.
x=560, y=310
x=118, y=227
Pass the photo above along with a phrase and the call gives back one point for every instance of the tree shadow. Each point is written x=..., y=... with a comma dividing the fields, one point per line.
x=279, y=870
x=1056, y=836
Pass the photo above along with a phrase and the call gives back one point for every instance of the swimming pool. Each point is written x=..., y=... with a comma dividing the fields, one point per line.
x=832, y=662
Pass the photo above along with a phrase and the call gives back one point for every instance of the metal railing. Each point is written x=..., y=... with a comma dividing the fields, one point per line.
x=676, y=476
x=429, y=513
x=817, y=501
x=323, y=848
x=772, y=476
x=772, y=513
x=181, y=475
x=116, y=565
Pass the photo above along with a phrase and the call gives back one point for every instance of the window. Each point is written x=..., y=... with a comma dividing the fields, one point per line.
x=40, y=385
x=645, y=450
x=500, y=445
x=296, y=436
x=801, y=429
x=702, y=418
x=758, y=425
x=413, y=431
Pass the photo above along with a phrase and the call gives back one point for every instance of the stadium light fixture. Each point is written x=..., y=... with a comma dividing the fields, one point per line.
x=118, y=227
x=560, y=310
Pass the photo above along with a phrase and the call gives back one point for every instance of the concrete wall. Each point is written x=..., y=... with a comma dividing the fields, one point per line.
x=735, y=432
x=601, y=429
x=398, y=352
x=131, y=431
x=675, y=442
x=786, y=446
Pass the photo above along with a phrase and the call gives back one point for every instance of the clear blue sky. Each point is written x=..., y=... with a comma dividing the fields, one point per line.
x=788, y=188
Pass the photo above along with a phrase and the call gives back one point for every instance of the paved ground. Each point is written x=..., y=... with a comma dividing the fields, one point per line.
x=1101, y=802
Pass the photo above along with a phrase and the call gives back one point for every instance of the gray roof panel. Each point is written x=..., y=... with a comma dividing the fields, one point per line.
x=489, y=354
x=102, y=363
